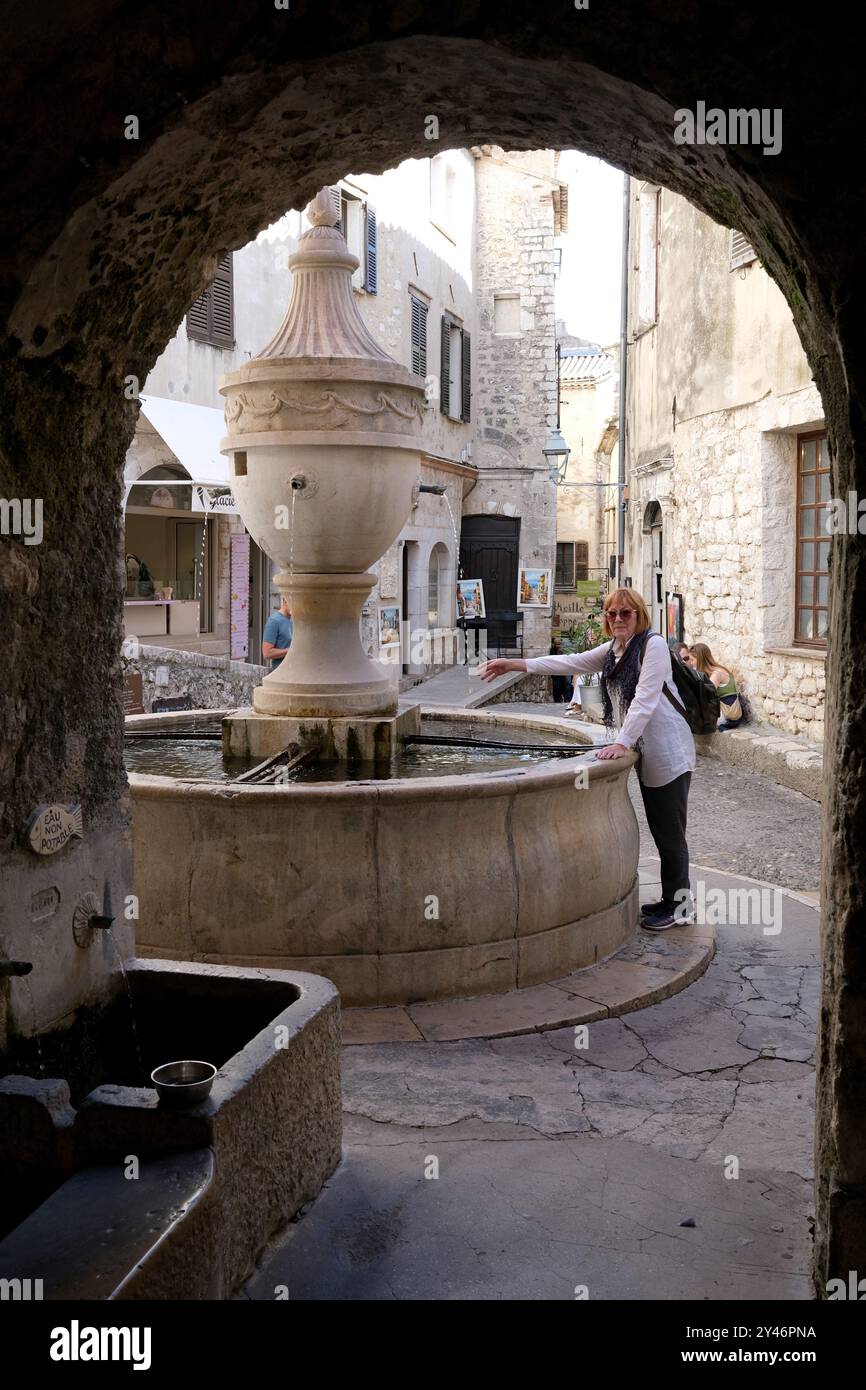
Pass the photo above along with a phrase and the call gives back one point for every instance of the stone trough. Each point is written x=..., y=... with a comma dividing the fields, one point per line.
x=107, y=1194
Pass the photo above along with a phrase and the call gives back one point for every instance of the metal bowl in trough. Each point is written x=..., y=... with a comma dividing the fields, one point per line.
x=182, y=1084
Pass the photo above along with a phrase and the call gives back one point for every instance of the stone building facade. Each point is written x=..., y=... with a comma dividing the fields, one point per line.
x=521, y=208
x=424, y=215
x=456, y=280
x=727, y=459
x=586, y=499
x=184, y=532
x=466, y=244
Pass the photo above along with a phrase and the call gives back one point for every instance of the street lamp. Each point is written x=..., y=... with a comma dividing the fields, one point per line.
x=556, y=450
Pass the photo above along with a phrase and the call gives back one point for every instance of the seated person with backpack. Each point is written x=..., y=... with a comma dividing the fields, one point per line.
x=731, y=710
x=655, y=703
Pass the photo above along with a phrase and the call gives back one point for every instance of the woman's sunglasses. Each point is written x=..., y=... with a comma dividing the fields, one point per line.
x=618, y=612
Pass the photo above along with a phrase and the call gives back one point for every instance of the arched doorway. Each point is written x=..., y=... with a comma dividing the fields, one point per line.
x=116, y=237
x=169, y=548
x=653, y=564
x=411, y=601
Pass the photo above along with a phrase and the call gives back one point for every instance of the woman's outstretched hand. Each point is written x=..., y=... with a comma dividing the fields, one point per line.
x=616, y=750
x=498, y=667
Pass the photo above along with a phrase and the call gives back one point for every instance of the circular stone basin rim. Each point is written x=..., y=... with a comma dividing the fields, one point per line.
x=546, y=771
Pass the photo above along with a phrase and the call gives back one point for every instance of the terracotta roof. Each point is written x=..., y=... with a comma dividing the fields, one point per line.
x=585, y=366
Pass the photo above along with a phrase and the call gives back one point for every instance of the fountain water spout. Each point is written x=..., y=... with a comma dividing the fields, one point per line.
x=15, y=967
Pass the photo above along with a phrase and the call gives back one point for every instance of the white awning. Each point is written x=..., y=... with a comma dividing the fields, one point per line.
x=193, y=433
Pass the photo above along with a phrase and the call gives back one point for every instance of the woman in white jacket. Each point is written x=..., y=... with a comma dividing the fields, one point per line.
x=641, y=702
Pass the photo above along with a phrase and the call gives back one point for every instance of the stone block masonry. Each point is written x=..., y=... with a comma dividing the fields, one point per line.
x=533, y=690
x=514, y=386
x=211, y=682
x=727, y=493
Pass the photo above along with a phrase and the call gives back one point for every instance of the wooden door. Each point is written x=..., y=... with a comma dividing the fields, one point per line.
x=489, y=547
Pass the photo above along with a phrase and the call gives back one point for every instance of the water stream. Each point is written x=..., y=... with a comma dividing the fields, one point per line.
x=292, y=534
x=25, y=979
x=143, y=1080
x=456, y=535
x=199, y=578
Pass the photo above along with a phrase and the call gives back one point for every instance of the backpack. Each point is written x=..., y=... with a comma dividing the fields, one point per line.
x=697, y=693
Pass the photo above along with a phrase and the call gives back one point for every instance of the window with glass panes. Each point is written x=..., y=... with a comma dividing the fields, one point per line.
x=813, y=541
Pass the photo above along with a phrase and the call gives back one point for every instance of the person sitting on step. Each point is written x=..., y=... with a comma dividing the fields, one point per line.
x=703, y=660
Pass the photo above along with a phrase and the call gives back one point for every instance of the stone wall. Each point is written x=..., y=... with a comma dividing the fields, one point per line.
x=534, y=689
x=60, y=705
x=428, y=540
x=717, y=396
x=727, y=500
x=212, y=682
x=588, y=419
x=428, y=249
x=509, y=234
x=514, y=374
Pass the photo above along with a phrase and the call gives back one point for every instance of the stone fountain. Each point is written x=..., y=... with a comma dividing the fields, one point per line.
x=398, y=888
x=324, y=445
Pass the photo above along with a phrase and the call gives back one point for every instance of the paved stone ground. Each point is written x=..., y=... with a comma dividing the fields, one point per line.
x=561, y=1167
x=739, y=821
x=744, y=824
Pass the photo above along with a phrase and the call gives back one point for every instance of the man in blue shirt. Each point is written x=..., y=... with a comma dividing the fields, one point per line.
x=277, y=636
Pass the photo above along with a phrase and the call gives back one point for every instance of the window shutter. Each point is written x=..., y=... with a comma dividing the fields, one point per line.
x=198, y=318
x=581, y=560
x=222, y=306
x=211, y=317
x=559, y=573
x=419, y=336
x=742, y=251
x=337, y=199
x=370, y=251
x=445, y=367
x=560, y=209
x=564, y=576
x=465, y=375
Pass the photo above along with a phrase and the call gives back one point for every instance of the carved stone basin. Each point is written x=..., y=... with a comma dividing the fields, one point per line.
x=216, y=1181
x=400, y=890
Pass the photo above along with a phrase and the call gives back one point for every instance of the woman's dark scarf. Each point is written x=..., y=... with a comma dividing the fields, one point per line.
x=621, y=677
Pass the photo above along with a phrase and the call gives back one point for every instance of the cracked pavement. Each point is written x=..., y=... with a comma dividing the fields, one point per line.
x=533, y=1168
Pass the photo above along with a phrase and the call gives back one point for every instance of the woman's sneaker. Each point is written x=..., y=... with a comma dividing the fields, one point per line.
x=649, y=909
x=668, y=915
x=660, y=920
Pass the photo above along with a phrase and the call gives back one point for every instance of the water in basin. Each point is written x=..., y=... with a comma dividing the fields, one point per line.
x=188, y=757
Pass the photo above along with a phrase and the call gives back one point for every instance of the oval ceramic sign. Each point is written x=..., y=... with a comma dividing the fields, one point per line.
x=52, y=827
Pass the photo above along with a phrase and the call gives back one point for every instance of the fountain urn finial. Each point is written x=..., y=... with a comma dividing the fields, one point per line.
x=324, y=403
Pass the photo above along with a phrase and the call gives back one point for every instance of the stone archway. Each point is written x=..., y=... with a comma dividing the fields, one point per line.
x=652, y=562
x=241, y=111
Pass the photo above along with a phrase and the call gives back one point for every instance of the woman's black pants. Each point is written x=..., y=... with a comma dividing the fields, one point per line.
x=666, y=811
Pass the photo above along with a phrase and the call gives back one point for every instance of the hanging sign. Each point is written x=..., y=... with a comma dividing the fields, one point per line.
x=132, y=693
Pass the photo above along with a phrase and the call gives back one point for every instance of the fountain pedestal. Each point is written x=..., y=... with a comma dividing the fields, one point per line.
x=324, y=442
x=326, y=670
x=247, y=734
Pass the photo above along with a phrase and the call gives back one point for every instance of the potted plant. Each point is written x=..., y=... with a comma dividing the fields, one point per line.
x=585, y=634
